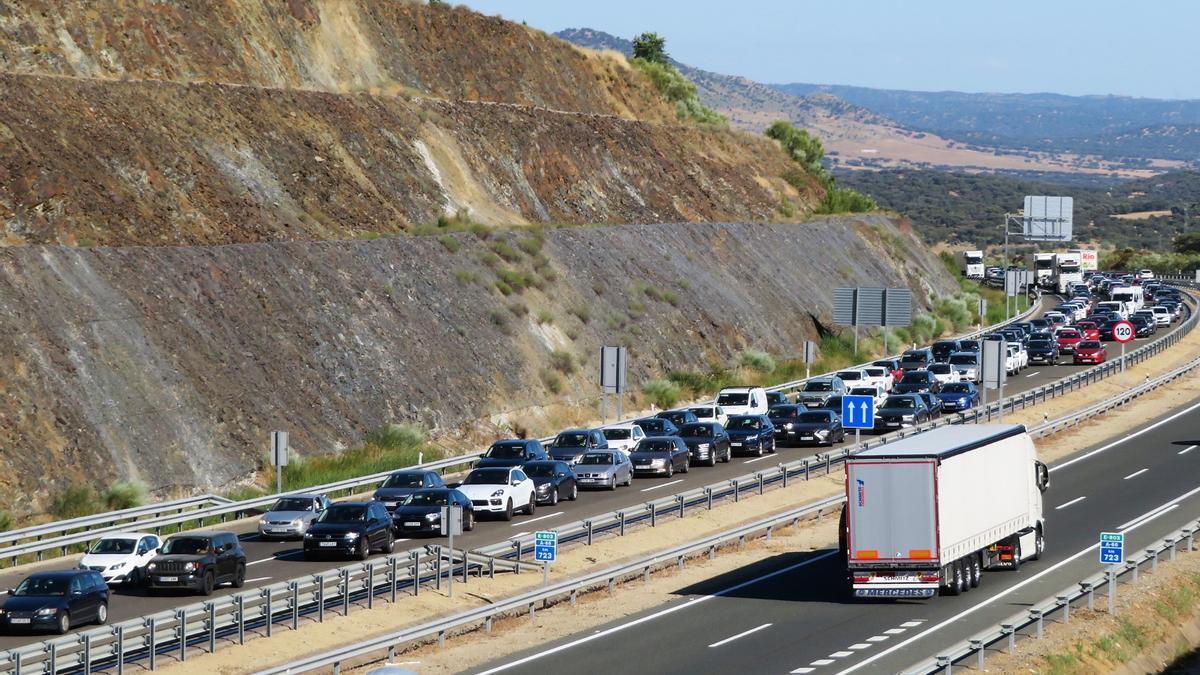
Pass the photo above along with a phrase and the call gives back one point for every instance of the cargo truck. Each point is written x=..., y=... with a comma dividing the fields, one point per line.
x=1088, y=261
x=970, y=263
x=1042, y=265
x=1067, y=271
x=931, y=512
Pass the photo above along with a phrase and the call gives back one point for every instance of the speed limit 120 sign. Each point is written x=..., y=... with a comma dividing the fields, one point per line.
x=1123, y=332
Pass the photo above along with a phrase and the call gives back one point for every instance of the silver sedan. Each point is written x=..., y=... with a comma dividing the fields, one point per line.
x=604, y=469
x=290, y=516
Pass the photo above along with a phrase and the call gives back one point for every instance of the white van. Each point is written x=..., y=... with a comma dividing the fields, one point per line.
x=1133, y=297
x=743, y=401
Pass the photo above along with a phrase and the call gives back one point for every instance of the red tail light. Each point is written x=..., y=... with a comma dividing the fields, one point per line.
x=861, y=580
x=930, y=577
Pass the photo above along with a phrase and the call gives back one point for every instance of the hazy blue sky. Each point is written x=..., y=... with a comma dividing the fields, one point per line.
x=1147, y=48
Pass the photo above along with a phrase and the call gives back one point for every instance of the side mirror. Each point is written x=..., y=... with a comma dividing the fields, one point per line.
x=516, y=482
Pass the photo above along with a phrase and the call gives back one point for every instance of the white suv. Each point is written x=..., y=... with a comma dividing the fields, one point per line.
x=623, y=436
x=500, y=490
x=743, y=400
x=122, y=558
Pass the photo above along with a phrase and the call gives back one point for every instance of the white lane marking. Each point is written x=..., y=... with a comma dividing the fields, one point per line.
x=1135, y=434
x=859, y=645
x=821, y=662
x=521, y=533
x=877, y=638
x=1187, y=449
x=260, y=561
x=1135, y=474
x=1073, y=501
x=250, y=581
x=662, y=485
x=670, y=610
x=1033, y=375
x=894, y=631
x=912, y=624
x=840, y=655
x=534, y=520
x=757, y=459
x=743, y=634
x=1137, y=522
x=803, y=670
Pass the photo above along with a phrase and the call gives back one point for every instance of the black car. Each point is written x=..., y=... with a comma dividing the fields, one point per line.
x=832, y=404
x=898, y=411
x=512, y=452
x=657, y=426
x=421, y=512
x=816, y=427
x=784, y=417
x=350, y=528
x=917, y=382
x=1040, y=324
x=197, y=562
x=56, y=601
x=707, y=441
x=553, y=479
x=942, y=349
x=751, y=434
x=933, y=403
x=777, y=398
x=401, y=484
x=678, y=417
x=1106, y=330
x=916, y=359
x=572, y=444
x=1025, y=327
x=970, y=345
x=1142, y=327
x=663, y=455
x=1043, y=351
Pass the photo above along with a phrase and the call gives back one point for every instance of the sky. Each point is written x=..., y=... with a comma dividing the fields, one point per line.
x=1147, y=48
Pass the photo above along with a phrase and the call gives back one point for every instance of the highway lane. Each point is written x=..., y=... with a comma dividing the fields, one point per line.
x=271, y=562
x=798, y=620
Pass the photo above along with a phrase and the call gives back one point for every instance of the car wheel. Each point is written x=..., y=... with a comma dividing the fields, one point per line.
x=612, y=485
x=554, y=497
x=1016, y=553
x=687, y=465
x=532, y=506
x=760, y=451
x=206, y=586
x=728, y=455
x=629, y=479
x=508, y=510
x=574, y=491
x=239, y=578
x=102, y=614
x=390, y=545
x=364, y=548
x=469, y=521
x=712, y=459
x=772, y=450
x=670, y=469
x=64, y=622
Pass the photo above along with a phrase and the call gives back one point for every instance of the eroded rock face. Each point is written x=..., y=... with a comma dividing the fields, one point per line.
x=171, y=364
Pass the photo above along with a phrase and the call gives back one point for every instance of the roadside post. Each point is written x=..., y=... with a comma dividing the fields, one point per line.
x=612, y=378
x=994, y=370
x=982, y=313
x=1123, y=332
x=545, y=550
x=858, y=413
x=810, y=357
x=1112, y=553
x=279, y=456
x=452, y=525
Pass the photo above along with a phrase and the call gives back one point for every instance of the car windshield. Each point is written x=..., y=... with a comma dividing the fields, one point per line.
x=914, y=356
x=654, y=446
x=293, y=504
x=539, y=470
x=957, y=388
x=814, y=417
x=1041, y=344
x=733, y=399
x=403, y=480
x=850, y=375
x=344, y=513
x=43, y=586
x=486, y=477
x=863, y=391
x=1069, y=334
x=874, y=372
x=703, y=412
x=597, y=458
x=652, y=425
x=948, y=346
x=783, y=411
x=963, y=359
x=505, y=451
x=939, y=368
x=899, y=402
x=618, y=434
x=696, y=430
x=819, y=386
x=114, y=546
x=573, y=440
x=185, y=546
x=970, y=345
x=917, y=378
x=886, y=364
x=745, y=423
x=427, y=499
x=1091, y=344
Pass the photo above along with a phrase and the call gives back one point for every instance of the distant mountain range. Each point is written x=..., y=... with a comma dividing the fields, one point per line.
x=1103, y=137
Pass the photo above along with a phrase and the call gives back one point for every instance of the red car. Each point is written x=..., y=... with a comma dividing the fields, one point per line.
x=1067, y=339
x=1090, y=351
x=1088, y=330
x=893, y=367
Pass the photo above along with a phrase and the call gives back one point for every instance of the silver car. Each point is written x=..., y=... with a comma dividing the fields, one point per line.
x=290, y=516
x=604, y=469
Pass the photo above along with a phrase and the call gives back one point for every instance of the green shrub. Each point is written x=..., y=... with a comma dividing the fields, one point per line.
x=76, y=501
x=581, y=312
x=396, y=436
x=465, y=276
x=679, y=90
x=125, y=495
x=671, y=297
x=757, y=360
x=450, y=243
x=490, y=259
x=505, y=251
x=515, y=279
x=6, y=521
x=504, y=288
x=562, y=361
x=662, y=393
x=545, y=316
x=518, y=309
x=552, y=380
x=531, y=245
x=391, y=446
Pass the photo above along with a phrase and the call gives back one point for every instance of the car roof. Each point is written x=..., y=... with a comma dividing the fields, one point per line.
x=402, y=472
x=128, y=535
x=626, y=425
x=59, y=574
x=313, y=495
x=737, y=390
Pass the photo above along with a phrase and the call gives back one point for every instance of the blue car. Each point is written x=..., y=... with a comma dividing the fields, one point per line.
x=958, y=396
x=751, y=434
x=56, y=601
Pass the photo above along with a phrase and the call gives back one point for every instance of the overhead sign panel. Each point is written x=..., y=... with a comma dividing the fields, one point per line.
x=872, y=306
x=1048, y=218
x=897, y=307
x=843, y=306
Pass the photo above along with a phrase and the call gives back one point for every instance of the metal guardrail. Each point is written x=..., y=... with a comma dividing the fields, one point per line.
x=1035, y=617
x=66, y=534
x=568, y=590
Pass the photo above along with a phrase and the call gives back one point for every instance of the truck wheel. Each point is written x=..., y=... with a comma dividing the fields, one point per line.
x=964, y=579
x=1016, y=553
x=976, y=570
x=954, y=574
x=1040, y=544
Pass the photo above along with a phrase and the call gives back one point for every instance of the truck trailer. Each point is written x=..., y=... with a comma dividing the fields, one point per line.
x=931, y=512
x=970, y=263
x=1088, y=260
x=1042, y=265
x=1067, y=271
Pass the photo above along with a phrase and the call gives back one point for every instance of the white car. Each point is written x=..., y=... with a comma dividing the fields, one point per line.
x=122, y=558
x=1145, y=275
x=1162, y=315
x=743, y=400
x=967, y=365
x=1062, y=318
x=1012, y=361
x=881, y=376
x=943, y=372
x=710, y=413
x=877, y=395
x=852, y=377
x=500, y=490
x=623, y=436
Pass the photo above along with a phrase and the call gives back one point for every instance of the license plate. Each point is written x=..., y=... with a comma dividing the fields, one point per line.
x=806, y=438
x=412, y=524
x=329, y=544
x=277, y=531
x=736, y=445
x=168, y=579
x=893, y=424
x=18, y=620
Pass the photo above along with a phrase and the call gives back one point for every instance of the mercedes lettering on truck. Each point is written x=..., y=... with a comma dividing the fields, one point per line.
x=930, y=513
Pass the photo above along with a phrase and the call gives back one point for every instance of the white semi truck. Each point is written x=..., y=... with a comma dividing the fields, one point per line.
x=1067, y=271
x=1042, y=265
x=933, y=511
x=970, y=263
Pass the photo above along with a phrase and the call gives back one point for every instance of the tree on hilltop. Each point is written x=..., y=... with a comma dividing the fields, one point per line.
x=651, y=47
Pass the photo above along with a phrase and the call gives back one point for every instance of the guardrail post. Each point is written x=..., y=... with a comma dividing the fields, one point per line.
x=241, y=614
x=828, y=457
x=393, y=576
x=591, y=533
x=943, y=662
x=87, y=654
x=1134, y=566
x=182, y=616
x=621, y=521
x=977, y=645
x=768, y=534
x=294, y=603
x=321, y=598
x=1036, y=614
x=646, y=574
x=1066, y=603
x=783, y=470
x=150, y=640
x=761, y=483
x=1153, y=554
x=1007, y=629
x=1112, y=591
x=370, y=587
x=653, y=515
x=806, y=469
x=487, y=625
x=437, y=568
x=1187, y=535
x=118, y=631
x=708, y=496
x=682, y=500
x=737, y=491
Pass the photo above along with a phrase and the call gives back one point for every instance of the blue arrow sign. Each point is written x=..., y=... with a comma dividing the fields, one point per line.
x=858, y=412
x=1112, y=548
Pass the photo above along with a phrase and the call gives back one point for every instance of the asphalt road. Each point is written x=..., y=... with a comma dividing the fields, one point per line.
x=788, y=615
x=274, y=561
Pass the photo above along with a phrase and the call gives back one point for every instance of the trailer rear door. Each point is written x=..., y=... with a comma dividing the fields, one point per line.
x=892, y=511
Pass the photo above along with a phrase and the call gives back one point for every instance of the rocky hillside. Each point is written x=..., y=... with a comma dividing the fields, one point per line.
x=171, y=364
x=131, y=122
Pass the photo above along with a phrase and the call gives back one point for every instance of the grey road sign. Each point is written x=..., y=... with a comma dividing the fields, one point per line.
x=452, y=521
x=810, y=351
x=995, y=353
x=843, y=306
x=279, y=448
x=612, y=369
x=897, y=307
x=872, y=306
x=1048, y=218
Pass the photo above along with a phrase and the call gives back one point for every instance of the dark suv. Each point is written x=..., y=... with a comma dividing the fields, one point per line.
x=197, y=562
